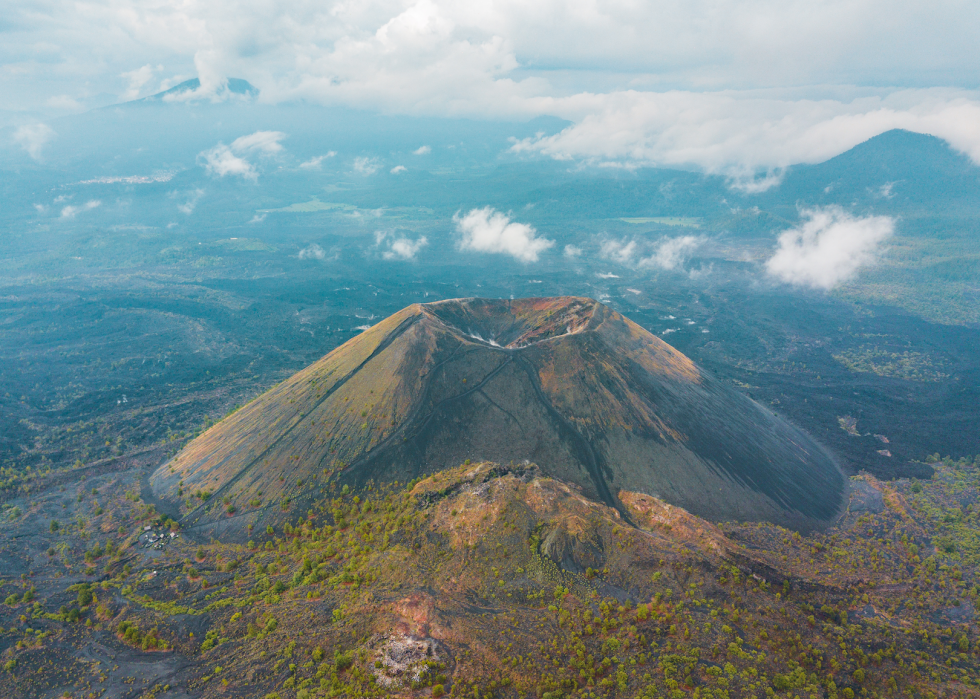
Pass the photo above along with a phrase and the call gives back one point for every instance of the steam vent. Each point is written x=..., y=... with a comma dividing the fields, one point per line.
x=566, y=383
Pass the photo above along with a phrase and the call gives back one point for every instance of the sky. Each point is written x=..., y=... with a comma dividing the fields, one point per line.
x=740, y=87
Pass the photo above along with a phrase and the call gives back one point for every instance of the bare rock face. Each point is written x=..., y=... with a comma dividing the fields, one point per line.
x=567, y=383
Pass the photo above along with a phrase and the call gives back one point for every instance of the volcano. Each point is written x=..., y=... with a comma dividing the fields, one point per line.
x=566, y=383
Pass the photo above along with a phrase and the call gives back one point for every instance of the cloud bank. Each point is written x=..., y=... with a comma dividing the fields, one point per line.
x=740, y=133
x=488, y=230
x=739, y=87
x=829, y=247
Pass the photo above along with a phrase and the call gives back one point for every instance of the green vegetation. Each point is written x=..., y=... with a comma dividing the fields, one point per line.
x=467, y=585
x=912, y=366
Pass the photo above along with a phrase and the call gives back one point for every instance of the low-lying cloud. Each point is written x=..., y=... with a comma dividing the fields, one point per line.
x=136, y=80
x=671, y=253
x=316, y=162
x=193, y=198
x=72, y=211
x=366, y=166
x=620, y=251
x=668, y=253
x=739, y=134
x=829, y=247
x=225, y=160
x=488, y=230
x=32, y=138
x=395, y=247
x=312, y=252
x=261, y=141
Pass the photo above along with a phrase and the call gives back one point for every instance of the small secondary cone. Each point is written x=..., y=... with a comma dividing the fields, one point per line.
x=567, y=383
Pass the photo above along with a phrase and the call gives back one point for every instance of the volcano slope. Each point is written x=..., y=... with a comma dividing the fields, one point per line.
x=567, y=383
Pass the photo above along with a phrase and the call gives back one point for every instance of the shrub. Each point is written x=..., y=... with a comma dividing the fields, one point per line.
x=85, y=595
x=342, y=661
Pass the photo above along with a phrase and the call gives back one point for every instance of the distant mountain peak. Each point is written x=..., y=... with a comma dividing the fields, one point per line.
x=233, y=87
x=898, y=147
x=897, y=168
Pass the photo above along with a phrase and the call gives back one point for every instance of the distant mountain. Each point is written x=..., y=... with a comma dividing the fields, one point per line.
x=892, y=170
x=566, y=383
x=235, y=86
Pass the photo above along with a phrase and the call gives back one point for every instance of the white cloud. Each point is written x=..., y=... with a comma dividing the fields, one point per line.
x=136, y=80
x=317, y=162
x=427, y=54
x=747, y=181
x=72, y=211
x=487, y=230
x=671, y=253
x=266, y=142
x=399, y=247
x=188, y=206
x=733, y=86
x=885, y=191
x=257, y=218
x=312, y=252
x=619, y=251
x=422, y=150
x=668, y=253
x=829, y=247
x=221, y=161
x=366, y=166
x=64, y=103
x=573, y=251
x=740, y=133
x=398, y=169
x=32, y=138
x=225, y=160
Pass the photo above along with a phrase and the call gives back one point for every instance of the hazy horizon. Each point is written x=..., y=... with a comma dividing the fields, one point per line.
x=738, y=88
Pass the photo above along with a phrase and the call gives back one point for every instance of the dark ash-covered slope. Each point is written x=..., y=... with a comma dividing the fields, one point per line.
x=566, y=383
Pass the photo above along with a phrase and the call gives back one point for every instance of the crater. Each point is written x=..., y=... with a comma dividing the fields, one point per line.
x=512, y=324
